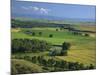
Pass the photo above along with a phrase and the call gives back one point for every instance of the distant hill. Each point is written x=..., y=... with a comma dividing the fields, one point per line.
x=52, y=18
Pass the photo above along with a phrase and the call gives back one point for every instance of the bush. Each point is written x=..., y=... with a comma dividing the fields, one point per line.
x=65, y=46
x=33, y=33
x=63, y=52
x=86, y=34
x=56, y=29
x=40, y=33
x=51, y=35
x=53, y=53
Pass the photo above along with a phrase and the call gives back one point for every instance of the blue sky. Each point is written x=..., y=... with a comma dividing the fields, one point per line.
x=53, y=9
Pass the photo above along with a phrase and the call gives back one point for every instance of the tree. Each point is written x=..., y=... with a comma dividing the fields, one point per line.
x=65, y=46
x=53, y=53
x=91, y=66
x=51, y=62
x=51, y=35
x=56, y=29
x=86, y=34
x=40, y=33
x=34, y=59
x=61, y=28
x=63, y=52
x=26, y=57
x=43, y=46
x=33, y=33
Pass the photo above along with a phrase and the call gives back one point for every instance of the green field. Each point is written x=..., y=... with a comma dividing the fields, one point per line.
x=83, y=48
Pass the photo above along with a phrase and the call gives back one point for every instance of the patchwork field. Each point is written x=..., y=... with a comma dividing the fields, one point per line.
x=82, y=47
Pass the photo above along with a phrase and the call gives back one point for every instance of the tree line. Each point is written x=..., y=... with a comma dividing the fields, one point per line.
x=34, y=45
x=62, y=52
x=29, y=45
x=29, y=24
x=39, y=33
x=57, y=64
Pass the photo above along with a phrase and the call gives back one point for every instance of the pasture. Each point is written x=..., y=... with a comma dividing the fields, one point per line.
x=82, y=47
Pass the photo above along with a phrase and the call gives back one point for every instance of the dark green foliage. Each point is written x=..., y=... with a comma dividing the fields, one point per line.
x=40, y=33
x=56, y=29
x=27, y=58
x=33, y=33
x=61, y=28
x=62, y=65
x=51, y=35
x=34, y=59
x=65, y=46
x=91, y=66
x=29, y=24
x=51, y=62
x=63, y=52
x=86, y=34
x=76, y=33
x=50, y=65
x=53, y=53
x=27, y=45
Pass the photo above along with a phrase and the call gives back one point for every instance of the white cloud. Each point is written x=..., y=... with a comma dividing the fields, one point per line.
x=43, y=10
x=37, y=9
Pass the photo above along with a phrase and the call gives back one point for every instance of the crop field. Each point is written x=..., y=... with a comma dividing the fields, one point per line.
x=83, y=48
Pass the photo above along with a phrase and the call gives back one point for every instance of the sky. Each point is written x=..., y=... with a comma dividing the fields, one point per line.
x=54, y=9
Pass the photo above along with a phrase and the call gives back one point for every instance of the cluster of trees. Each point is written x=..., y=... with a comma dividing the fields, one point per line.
x=34, y=45
x=57, y=64
x=78, y=33
x=65, y=48
x=51, y=35
x=39, y=33
x=64, y=51
x=28, y=45
x=32, y=33
x=29, y=24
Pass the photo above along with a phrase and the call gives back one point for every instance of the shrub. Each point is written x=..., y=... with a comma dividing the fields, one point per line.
x=56, y=29
x=33, y=33
x=65, y=46
x=40, y=33
x=51, y=35
x=86, y=34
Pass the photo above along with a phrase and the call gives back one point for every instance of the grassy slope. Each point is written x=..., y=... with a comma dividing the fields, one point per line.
x=30, y=66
